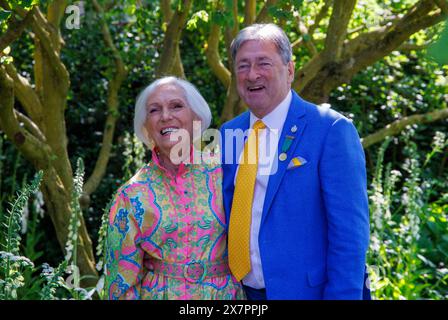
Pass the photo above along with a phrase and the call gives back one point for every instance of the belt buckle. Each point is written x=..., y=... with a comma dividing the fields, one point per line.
x=195, y=271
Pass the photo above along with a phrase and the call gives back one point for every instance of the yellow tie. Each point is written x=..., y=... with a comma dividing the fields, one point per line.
x=241, y=213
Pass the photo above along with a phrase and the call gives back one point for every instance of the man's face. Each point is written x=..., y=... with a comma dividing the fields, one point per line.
x=263, y=80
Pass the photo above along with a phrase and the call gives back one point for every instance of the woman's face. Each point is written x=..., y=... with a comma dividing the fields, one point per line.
x=168, y=111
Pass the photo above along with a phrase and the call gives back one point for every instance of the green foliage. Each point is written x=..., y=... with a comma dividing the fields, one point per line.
x=134, y=155
x=11, y=263
x=201, y=15
x=398, y=86
x=71, y=246
x=439, y=49
x=53, y=280
x=400, y=264
x=4, y=15
x=409, y=180
x=25, y=4
x=34, y=238
x=18, y=279
x=101, y=249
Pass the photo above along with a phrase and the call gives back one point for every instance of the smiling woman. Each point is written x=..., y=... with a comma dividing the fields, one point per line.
x=167, y=113
x=167, y=231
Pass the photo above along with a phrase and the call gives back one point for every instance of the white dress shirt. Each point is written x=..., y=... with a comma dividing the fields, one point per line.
x=267, y=164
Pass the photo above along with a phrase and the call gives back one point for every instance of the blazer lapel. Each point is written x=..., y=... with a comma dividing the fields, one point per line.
x=238, y=147
x=291, y=134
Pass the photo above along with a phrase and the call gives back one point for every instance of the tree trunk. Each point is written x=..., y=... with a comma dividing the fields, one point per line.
x=57, y=202
x=43, y=139
x=232, y=102
x=170, y=59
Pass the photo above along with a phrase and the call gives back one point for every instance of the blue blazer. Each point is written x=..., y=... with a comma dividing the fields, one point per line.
x=314, y=230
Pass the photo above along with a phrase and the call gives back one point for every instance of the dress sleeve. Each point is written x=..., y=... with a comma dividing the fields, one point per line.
x=124, y=256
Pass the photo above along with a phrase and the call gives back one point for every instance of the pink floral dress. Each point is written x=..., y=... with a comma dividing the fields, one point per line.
x=158, y=217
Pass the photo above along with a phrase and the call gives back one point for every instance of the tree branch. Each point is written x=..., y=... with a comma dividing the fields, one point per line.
x=231, y=32
x=30, y=126
x=337, y=29
x=319, y=77
x=56, y=11
x=380, y=42
x=26, y=95
x=323, y=12
x=443, y=5
x=213, y=57
x=167, y=13
x=413, y=46
x=41, y=29
x=5, y=5
x=114, y=85
x=170, y=56
x=15, y=30
x=397, y=126
x=51, y=85
x=250, y=12
x=306, y=39
x=232, y=98
x=33, y=149
x=263, y=15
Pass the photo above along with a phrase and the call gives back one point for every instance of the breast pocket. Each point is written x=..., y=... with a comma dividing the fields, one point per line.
x=297, y=162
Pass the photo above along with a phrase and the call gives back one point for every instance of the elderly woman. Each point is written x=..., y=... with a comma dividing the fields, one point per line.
x=167, y=230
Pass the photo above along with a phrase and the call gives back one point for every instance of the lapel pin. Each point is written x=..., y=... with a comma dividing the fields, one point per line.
x=294, y=129
x=282, y=156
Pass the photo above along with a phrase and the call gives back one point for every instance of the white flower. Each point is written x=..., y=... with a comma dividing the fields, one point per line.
x=70, y=247
x=99, y=265
x=24, y=218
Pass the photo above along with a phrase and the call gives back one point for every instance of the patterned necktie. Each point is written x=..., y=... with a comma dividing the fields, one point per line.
x=241, y=213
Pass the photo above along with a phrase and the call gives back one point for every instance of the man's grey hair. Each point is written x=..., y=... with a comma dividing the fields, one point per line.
x=194, y=99
x=264, y=32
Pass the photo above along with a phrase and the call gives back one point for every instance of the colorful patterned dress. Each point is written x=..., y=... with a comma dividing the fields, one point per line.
x=158, y=217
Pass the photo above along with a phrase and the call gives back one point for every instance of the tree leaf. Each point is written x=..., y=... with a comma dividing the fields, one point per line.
x=4, y=14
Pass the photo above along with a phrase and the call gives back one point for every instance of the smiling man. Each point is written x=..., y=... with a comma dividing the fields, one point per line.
x=301, y=231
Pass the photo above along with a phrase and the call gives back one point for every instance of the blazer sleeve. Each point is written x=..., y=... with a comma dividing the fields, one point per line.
x=124, y=256
x=344, y=187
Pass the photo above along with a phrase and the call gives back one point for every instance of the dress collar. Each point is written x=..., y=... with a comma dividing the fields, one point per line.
x=183, y=166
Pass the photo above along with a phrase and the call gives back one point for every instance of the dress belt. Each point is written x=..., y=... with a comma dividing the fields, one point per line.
x=194, y=271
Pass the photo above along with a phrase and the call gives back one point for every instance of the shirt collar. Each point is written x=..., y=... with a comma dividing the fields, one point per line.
x=276, y=118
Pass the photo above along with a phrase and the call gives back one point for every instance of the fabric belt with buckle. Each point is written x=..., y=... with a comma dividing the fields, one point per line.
x=194, y=271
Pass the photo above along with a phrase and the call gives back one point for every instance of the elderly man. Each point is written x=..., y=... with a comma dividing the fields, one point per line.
x=299, y=230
